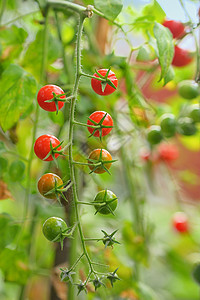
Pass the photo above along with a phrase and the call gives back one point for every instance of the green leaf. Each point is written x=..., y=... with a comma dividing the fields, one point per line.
x=145, y=53
x=110, y=8
x=154, y=10
x=18, y=89
x=169, y=76
x=8, y=230
x=165, y=46
x=34, y=55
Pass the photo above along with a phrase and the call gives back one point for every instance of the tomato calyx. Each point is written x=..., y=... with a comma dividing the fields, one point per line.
x=100, y=163
x=63, y=234
x=97, y=282
x=54, y=150
x=108, y=239
x=59, y=190
x=66, y=275
x=98, y=126
x=105, y=80
x=113, y=277
x=56, y=98
x=81, y=287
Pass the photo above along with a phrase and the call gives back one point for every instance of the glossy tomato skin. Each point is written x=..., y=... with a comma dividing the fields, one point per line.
x=42, y=146
x=154, y=134
x=47, y=183
x=188, y=89
x=168, y=125
x=168, y=152
x=194, y=112
x=97, y=116
x=181, y=57
x=177, y=28
x=97, y=86
x=54, y=227
x=180, y=222
x=100, y=197
x=45, y=93
x=94, y=155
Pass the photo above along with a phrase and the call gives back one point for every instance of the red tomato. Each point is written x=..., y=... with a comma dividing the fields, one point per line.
x=97, y=117
x=180, y=222
x=42, y=146
x=168, y=152
x=94, y=157
x=97, y=85
x=46, y=93
x=177, y=28
x=182, y=57
x=48, y=182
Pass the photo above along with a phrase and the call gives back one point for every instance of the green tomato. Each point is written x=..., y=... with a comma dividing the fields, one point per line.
x=54, y=229
x=194, y=112
x=188, y=89
x=154, y=135
x=168, y=125
x=109, y=202
x=186, y=126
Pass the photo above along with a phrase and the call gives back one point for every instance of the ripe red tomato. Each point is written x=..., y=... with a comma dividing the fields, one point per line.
x=42, y=146
x=99, y=155
x=98, y=86
x=97, y=116
x=168, y=152
x=48, y=182
x=182, y=57
x=46, y=93
x=180, y=222
x=177, y=28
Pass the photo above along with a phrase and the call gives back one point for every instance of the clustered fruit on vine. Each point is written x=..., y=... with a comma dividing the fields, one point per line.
x=181, y=57
x=48, y=147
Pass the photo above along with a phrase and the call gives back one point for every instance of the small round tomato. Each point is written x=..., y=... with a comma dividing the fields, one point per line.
x=168, y=125
x=177, y=28
x=188, y=89
x=48, y=182
x=180, y=222
x=54, y=228
x=154, y=134
x=103, y=88
x=168, y=152
x=194, y=112
x=102, y=157
x=109, y=202
x=46, y=93
x=96, y=118
x=181, y=57
x=42, y=146
x=186, y=126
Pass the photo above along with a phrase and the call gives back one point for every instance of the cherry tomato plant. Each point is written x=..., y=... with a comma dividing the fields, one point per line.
x=99, y=150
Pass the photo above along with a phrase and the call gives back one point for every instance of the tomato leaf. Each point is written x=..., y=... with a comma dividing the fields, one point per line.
x=18, y=90
x=165, y=46
x=154, y=10
x=169, y=76
x=110, y=8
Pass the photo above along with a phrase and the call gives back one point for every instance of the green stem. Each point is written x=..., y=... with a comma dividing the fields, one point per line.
x=197, y=75
x=68, y=5
x=3, y=6
x=20, y=17
x=92, y=239
x=75, y=217
x=86, y=125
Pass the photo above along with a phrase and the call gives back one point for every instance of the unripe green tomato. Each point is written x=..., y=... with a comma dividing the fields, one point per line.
x=154, y=134
x=188, y=89
x=168, y=125
x=54, y=227
x=194, y=112
x=107, y=199
x=186, y=126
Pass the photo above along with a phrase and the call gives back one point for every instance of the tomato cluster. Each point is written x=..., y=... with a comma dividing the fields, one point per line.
x=48, y=147
x=181, y=57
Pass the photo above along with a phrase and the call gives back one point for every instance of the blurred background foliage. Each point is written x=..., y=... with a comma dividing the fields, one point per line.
x=155, y=261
